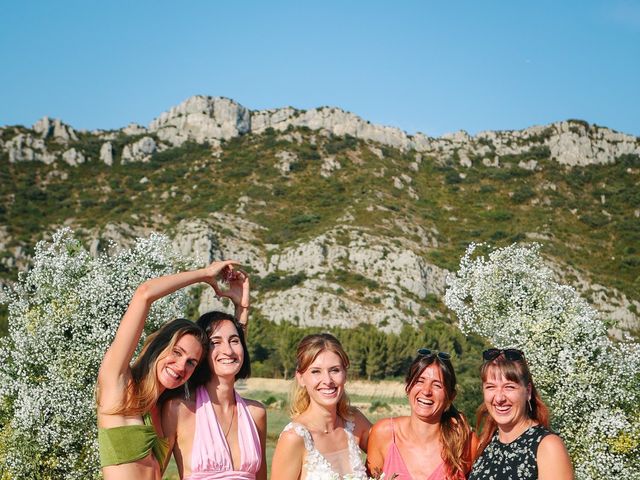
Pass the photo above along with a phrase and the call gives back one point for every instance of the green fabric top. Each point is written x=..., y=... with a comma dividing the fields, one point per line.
x=130, y=443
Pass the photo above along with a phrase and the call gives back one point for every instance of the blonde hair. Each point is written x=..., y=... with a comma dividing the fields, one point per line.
x=308, y=350
x=143, y=391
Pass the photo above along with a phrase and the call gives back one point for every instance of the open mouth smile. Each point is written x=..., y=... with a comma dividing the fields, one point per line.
x=425, y=402
x=503, y=409
x=328, y=391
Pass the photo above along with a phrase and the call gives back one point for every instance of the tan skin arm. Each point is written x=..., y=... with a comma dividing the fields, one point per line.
x=259, y=415
x=379, y=440
x=170, y=427
x=553, y=459
x=239, y=293
x=114, y=370
x=287, y=457
x=362, y=428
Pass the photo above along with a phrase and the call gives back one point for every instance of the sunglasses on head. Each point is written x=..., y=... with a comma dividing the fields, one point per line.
x=425, y=352
x=510, y=354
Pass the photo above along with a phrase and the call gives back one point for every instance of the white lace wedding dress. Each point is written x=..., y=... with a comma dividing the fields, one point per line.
x=319, y=467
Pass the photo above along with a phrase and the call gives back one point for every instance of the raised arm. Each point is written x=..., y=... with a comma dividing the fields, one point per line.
x=239, y=293
x=115, y=364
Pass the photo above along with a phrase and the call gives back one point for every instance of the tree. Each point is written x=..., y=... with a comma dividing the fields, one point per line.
x=63, y=315
x=590, y=382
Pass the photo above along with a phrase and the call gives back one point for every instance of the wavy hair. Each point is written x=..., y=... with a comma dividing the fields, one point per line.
x=455, y=433
x=143, y=389
x=514, y=371
x=308, y=350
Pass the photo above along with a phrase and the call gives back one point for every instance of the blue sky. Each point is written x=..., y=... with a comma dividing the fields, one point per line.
x=427, y=66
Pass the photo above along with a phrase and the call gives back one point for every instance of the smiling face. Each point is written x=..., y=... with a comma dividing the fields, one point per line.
x=226, y=354
x=506, y=400
x=428, y=396
x=176, y=364
x=324, y=379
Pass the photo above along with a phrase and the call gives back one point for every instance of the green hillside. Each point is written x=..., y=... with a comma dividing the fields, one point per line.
x=561, y=207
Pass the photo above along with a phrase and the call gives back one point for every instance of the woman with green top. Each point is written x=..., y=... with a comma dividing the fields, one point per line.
x=131, y=442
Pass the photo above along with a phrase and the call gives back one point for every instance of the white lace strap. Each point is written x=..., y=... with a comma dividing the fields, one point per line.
x=301, y=431
x=349, y=426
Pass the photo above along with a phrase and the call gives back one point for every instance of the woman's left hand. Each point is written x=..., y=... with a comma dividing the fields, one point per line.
x=239, y=287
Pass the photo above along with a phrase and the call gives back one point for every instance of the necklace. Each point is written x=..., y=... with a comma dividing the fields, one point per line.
x=233, y=414
x=325, y=430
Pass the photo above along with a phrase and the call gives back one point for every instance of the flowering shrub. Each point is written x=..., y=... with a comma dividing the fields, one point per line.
x=591, y=383
x=63, y=314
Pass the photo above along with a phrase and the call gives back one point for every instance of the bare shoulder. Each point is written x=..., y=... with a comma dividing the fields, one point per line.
x=178, y=407
x=382, y=429
x=254, y=404
x=360, y=420
x=289, y=440
x=256, y=409
x=552, y=446
x=553, y=459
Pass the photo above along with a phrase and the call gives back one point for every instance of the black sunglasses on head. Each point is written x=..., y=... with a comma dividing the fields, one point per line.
x=425, y=352
x=511, y=354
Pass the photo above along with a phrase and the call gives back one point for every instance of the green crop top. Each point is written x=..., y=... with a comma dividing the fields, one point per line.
x=130, y=443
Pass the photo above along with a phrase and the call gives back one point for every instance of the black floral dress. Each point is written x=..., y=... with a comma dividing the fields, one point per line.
x=510, y=461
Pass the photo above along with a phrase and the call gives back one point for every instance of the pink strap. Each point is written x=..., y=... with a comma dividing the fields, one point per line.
x=210, y=455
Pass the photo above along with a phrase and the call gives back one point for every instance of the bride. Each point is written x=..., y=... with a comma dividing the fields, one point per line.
x=326, y=435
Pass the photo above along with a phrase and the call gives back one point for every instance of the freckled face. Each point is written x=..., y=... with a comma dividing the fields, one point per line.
x=176, y=366
x=428, y=397
x=505, y=400
x=226, y=355
x=324, y=380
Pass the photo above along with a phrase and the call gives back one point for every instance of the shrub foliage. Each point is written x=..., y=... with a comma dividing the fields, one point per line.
x=63, y=314
x=590, y=382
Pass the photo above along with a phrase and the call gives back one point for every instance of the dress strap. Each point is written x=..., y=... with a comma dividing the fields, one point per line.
x=393, y=432
x=301, y=431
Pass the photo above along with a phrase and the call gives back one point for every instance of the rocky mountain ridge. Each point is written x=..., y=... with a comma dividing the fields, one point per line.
x=339, y=221
x=214, y=119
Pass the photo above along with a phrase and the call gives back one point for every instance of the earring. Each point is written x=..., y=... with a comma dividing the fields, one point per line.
x=529, y=402
x=187, y=393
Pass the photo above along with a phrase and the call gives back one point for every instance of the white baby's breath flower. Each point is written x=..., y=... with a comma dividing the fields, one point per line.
x=63, y=314
x=589, y=381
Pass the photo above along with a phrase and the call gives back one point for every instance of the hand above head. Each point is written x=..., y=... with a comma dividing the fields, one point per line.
x=214, y=270
x=239, y=287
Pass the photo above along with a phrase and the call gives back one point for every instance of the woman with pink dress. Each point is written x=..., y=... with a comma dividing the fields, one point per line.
x=213, y=431
x=435, y=441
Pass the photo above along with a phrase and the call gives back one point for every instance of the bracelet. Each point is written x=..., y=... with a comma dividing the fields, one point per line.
x=245, y=306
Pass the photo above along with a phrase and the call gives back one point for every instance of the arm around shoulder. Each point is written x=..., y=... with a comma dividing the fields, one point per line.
x=287, y=457
x=553, y=459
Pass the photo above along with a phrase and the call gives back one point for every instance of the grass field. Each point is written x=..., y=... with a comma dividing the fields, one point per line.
x=375, y=399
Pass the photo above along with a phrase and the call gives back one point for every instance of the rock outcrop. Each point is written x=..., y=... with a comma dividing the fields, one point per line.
x=212, y=119
x=202, y=119
x=139, y=151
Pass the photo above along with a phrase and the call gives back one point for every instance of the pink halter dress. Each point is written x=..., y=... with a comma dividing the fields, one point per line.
x=210, y=456
x=394, y=464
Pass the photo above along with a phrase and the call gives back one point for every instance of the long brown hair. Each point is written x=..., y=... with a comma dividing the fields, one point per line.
x=455, y=433
x=308, y=349
x=514, y=371
x=143, y=390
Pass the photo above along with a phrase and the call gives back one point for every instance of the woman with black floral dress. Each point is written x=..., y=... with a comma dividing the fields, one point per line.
x=515, y=440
